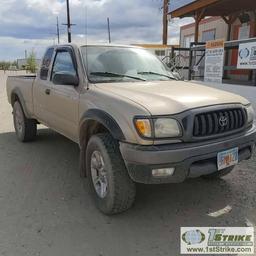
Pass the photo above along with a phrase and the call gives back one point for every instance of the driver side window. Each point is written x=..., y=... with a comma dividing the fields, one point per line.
x=63, y=63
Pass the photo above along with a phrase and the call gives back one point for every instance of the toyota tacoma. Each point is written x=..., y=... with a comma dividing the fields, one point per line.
x=133, y=120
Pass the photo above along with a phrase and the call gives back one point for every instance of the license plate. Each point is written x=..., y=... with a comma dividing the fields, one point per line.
x=227, y=158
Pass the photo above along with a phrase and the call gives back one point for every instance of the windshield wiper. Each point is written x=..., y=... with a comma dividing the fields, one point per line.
x=110, y=74
x=155, y=73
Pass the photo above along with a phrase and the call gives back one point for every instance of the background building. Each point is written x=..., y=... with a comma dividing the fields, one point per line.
x=209, y=29
x=219, y=19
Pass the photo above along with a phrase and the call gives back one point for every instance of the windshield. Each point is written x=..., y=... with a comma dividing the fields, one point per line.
x=123, y=64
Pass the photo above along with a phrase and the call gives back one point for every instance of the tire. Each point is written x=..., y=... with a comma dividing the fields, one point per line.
x=119, y=193
x=25, y=128
x=219, y=174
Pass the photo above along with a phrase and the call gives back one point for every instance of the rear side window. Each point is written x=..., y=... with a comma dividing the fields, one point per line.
x=46, y=64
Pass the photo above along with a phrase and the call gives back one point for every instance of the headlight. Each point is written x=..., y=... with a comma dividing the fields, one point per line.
x=250, y=114
x=166, y=128
x=158, y=128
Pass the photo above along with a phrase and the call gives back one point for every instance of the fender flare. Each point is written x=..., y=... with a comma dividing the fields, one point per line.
x=105, y=119
x=18, y=93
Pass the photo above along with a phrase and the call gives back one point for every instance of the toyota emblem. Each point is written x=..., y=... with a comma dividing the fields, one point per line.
x=223, y=121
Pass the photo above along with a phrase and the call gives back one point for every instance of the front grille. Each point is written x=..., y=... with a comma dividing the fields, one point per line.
x=217, y=122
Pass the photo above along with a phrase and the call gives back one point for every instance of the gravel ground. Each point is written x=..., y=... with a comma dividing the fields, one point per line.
x=46, y=209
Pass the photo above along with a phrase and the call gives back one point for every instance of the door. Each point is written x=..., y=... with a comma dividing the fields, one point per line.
x=42, y=87
x=63, y=100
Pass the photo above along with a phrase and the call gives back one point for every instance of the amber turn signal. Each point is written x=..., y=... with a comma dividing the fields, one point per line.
x=143, y=126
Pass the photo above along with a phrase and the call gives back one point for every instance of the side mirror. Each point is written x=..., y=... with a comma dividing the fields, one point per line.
x=65, y=79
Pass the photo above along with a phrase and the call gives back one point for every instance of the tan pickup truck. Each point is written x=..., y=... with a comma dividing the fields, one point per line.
x=132, y=119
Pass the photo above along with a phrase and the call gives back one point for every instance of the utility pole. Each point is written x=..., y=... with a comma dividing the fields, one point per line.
x=68, y=22
x=58, y=30
x=165, y=21
x=109, y=35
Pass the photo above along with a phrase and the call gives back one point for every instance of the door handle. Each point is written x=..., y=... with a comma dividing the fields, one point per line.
x=47, y=91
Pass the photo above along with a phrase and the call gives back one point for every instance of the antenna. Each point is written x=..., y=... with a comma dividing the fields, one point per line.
x=109, y=35
x=86, y=25
x=58, y=30
x=86, y=44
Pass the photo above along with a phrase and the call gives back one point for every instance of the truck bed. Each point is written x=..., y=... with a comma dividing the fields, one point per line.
x=23, y=85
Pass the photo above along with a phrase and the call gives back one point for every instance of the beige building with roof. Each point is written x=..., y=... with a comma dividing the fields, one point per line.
x=209, y=29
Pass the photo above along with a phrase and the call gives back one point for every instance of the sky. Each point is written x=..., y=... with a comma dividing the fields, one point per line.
x=31, y=24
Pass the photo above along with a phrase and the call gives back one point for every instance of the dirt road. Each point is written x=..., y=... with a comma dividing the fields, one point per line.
x=46, y=209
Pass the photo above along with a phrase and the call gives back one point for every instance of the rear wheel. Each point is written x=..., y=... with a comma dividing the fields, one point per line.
x=111, y=187
x=219, y=174
x=25, y=128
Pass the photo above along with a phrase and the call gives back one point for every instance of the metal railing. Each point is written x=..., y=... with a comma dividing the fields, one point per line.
x=192, y=60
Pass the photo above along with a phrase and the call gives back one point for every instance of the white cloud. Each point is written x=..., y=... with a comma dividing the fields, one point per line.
x=28, y=24
x=46, y=6
x=14, y=48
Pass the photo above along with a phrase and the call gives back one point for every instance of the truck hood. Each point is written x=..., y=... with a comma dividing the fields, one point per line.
x=171, y=97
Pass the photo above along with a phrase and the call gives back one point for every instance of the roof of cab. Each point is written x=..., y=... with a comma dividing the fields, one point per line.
x=96, y=44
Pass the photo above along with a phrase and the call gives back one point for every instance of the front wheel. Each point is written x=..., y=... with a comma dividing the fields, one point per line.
x=25, y=128
x=110, y=184
x=219, y=174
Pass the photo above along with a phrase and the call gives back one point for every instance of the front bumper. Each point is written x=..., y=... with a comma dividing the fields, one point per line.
x=188, y=159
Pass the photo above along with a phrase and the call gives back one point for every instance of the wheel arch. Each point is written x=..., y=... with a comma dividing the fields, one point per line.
x=16, y=95
x=94, y=121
